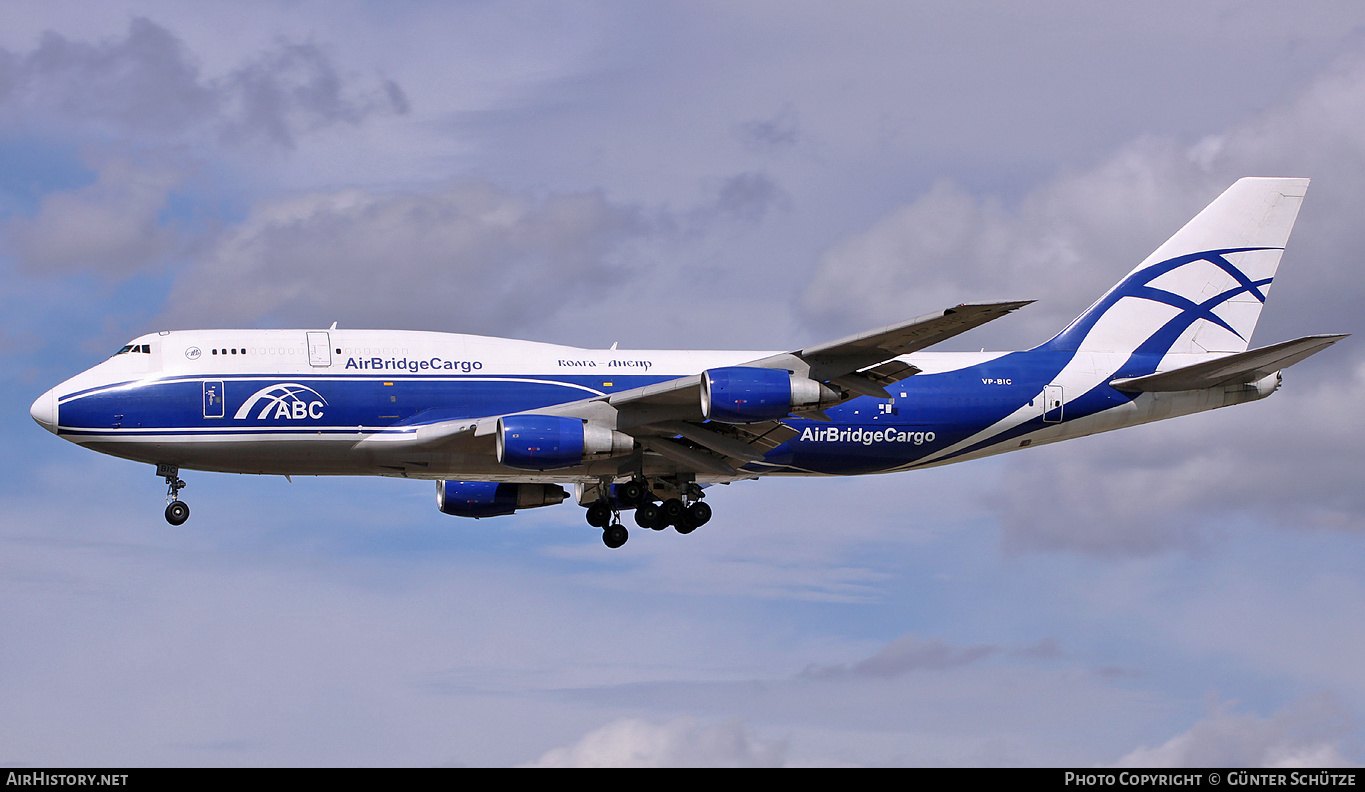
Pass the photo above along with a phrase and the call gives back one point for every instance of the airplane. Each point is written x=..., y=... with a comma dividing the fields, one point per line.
x=502, y=425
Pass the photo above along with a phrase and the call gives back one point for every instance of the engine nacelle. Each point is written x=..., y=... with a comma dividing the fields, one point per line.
x=740, y=394
x=492, y=498
x=544, y=442
x=1268, y=384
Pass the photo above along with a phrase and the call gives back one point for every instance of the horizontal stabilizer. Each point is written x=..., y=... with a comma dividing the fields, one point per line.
x=1240, y=368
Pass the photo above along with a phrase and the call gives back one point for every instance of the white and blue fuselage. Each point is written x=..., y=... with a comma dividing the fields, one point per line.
x=298, y=402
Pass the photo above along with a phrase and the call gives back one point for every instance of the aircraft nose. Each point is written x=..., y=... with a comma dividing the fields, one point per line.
x=44, y=411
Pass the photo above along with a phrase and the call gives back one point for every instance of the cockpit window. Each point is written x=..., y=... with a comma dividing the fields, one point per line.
x=144, y=348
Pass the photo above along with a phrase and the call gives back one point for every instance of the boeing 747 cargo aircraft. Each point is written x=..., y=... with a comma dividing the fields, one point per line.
x=502, y=425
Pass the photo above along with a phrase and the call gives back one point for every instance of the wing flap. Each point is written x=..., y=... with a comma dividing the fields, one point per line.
x=424, y=436
x=748, y=442
x=699, y=461
x=873, y=381
x=1240, y=368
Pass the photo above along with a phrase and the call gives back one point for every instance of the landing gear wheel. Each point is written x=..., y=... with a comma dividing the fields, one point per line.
x=615, y=536
x=673, y=510
x=648, y=515
x=632, y=492
x=695, y=517
x=599, y=515
x=177, y=513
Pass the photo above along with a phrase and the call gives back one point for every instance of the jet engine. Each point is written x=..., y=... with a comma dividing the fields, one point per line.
x=544, y=442
x=493, y=499
x=740, y=394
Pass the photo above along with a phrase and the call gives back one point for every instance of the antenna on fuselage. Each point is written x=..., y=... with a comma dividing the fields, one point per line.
x=333, y=327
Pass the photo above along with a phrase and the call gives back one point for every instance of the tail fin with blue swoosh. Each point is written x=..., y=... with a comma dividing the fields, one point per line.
x=1203, y=290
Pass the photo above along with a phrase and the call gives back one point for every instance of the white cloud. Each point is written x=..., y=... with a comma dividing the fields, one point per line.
x=1063, y=244
x=1072, y=237
x=1290, y=461
x=681, y=742
x=111, y=226
x=469, y=256
x=1306, y=734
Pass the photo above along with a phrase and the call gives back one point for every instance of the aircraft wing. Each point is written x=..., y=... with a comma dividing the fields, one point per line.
x=1240, y=368
x=666, y=417
x=862, y=363
x=825, y=362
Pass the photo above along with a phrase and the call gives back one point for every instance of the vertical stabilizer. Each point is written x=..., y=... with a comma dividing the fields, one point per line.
x=1203, y=290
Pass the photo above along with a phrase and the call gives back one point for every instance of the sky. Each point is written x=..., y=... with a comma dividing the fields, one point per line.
x=751, y=175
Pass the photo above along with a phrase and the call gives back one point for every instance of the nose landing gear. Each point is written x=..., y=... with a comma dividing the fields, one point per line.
x=177, y=512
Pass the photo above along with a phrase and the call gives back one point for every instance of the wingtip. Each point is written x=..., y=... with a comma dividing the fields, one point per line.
x=1000, y=305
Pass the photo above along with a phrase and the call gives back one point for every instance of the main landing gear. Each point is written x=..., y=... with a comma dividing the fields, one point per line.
x=601, y=515
x=685, y=516
x=176, y=510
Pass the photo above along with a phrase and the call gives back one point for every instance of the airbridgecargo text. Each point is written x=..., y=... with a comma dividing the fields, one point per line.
x=403, y=364
x=865, y=436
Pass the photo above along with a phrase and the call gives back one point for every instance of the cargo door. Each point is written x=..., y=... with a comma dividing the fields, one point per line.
x=319, y=349
x=213, y=398
x=1052, y=404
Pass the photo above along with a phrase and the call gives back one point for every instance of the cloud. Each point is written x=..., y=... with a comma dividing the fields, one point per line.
x=148, y=84
x=903, y=655
x=144, y=82
x=746, y=197
x=295, y=88
x=749, y=196
x=1070, y=238
x=782, y=130
x=1064, y=244
x=471, y=257
x=682, y=742
x=111, y=226
x=1290, y=461
x=1306, y=734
